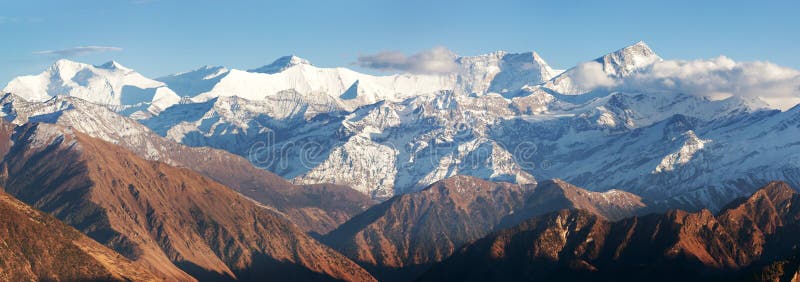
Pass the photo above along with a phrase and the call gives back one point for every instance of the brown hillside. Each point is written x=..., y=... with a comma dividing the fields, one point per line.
x=172, y=219
x=37, y=247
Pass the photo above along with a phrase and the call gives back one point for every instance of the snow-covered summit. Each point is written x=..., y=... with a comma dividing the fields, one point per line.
x=108, y=84
x=281, y=64
x=496, y=72
x=501, y=72
x=629, y=59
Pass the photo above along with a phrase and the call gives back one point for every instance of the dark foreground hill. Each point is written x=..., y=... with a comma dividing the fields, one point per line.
x=739, y=243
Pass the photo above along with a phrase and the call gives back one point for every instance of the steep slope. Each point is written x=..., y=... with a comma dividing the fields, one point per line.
x=171, y=219
x=764, y=222
x=399, y=238
x=38, y=247
x=6, y=131
x=677, y=245
x=316, y=208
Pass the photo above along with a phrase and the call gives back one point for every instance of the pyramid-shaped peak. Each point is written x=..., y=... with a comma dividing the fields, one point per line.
x=294, y=60
x=638, y=47
x=640, y=43
x=629, y=59
x=282, y=64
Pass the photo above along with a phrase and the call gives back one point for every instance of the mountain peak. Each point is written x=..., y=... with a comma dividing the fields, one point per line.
x=639, y=46
x=640, y=43
x=629, y=59
x=65, y=64
x=528, y=58
x=281, y=64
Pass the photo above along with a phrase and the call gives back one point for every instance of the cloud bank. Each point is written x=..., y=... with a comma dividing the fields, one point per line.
x=78, y=51
x=715, y=78
x=720, y=75
x=431, y=61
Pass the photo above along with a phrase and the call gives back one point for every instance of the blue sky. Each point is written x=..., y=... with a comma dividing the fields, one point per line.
x=158, y=37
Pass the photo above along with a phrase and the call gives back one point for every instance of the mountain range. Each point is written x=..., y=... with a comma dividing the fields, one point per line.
x=400, y=133
x=399, y=238
x=502, y=169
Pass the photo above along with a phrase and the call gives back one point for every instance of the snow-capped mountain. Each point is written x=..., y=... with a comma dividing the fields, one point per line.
x=341, y=88
x=603, y=124
x=595, y=74
x=109, y=84
x=501, y=72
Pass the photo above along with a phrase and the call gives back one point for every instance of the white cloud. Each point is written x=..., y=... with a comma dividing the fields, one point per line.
x=590, y=75
x=78, y=51
x=721, y=77
x=434, y=60
x=715, y=78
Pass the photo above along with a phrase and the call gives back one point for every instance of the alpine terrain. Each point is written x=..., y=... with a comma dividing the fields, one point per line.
x=608, y=123
x=496, y=167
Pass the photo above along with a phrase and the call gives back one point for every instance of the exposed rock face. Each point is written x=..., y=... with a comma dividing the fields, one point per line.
x=6, y=130
x=37, y=247
x=677, y=245
x=315, y=208
x=179, y=223
x=405, y=234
